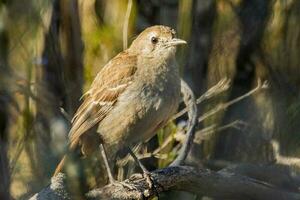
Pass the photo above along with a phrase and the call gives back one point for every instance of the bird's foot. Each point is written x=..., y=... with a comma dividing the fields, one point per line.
x=151, y=183
x=148, y=178
x=124, y=185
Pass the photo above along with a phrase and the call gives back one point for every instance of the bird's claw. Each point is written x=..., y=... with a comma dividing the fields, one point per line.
x=124, y=185
x=149, y=179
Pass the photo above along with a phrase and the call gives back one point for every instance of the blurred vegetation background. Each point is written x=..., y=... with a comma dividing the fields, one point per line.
x=51, y=50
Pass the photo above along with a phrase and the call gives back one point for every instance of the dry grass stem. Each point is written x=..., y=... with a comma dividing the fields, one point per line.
x=207, y=132
x=217, y=89
x=223, y=106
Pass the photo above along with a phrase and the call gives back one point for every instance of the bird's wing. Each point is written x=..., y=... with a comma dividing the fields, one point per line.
x=109, y=83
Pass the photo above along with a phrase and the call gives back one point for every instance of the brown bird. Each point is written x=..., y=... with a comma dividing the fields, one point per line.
x=133, y=96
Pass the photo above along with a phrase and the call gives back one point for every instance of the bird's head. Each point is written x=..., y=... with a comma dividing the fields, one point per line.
x=156, y=41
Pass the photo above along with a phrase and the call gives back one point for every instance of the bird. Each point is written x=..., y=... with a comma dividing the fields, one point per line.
x=134, y=95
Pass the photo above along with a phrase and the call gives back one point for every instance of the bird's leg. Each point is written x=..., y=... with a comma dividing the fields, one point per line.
x=112, y=181
x=107, y=167
x=146, y=173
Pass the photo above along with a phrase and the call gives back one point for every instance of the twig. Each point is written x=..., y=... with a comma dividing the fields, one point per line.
x=206, y=132
x=19, y=148
x=190, y=102
x=220, y=87
x=125, y=26
x=284, y=160
x=223, y=106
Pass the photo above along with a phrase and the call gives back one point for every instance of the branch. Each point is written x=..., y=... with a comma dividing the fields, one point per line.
x=225, y=184
x=57, y=190
x=190, y=102
x=284, y=160
x=281, y=176
x=198, y=181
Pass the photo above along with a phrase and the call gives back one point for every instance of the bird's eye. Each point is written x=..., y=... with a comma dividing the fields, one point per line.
x=154, y=40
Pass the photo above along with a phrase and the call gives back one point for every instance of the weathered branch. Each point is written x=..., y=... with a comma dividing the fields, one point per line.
x=221, y=184
x=197, y=181
x=55, y=191
x=281, y=176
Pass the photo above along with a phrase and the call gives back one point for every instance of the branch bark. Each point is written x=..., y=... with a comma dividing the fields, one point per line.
x=55, y=191
x=199, y=181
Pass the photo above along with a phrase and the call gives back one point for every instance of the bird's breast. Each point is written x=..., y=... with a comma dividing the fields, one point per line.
x=146, y=104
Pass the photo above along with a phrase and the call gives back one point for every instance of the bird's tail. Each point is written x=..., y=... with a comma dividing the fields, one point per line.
x=60, y=165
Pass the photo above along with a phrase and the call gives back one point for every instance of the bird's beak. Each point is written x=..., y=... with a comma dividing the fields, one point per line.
x=176, y=41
